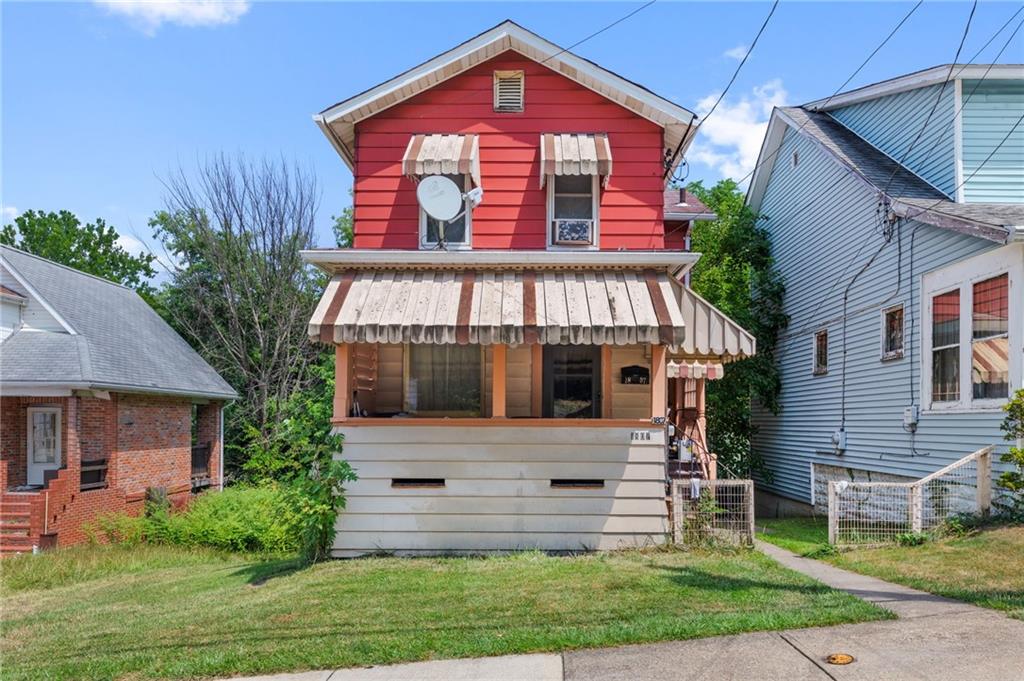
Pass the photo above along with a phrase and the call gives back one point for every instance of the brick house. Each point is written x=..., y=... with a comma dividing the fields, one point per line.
x=99, y=400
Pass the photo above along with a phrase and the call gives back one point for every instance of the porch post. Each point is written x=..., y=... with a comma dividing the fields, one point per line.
x=342, y=380
x=659, y=380
x=606, y=381
x=498, y=382
x=536, y=380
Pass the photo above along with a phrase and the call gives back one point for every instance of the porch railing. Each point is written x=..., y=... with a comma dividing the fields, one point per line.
x=201, y=465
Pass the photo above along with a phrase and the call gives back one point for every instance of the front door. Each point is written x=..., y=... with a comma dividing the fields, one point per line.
x=572, y=379
x=43, y=442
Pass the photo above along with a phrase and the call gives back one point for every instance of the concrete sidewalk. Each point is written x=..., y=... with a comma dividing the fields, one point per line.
x=934, y=639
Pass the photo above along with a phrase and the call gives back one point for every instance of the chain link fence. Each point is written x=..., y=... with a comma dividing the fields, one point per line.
x=712, y=512
x=869, y=513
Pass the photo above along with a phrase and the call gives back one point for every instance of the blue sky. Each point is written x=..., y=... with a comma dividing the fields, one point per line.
x=100, y=102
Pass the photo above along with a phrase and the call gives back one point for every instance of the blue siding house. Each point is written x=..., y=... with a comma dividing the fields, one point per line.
x=902, y=248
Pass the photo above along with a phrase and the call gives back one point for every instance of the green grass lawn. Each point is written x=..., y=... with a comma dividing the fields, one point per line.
x=149, y=612
x=985, y=568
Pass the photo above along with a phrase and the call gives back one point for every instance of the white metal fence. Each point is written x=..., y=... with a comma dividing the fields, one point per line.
x=879, y=512
x=712, y=512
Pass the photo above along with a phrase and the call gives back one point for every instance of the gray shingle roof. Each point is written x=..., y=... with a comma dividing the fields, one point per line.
x=120, y=341
x=911, y=196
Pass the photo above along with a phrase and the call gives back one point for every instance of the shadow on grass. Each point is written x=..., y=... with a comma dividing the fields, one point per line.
x=258, y=574
x=695, y=578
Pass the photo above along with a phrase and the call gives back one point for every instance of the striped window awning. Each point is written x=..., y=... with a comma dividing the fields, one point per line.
x=575, y=154
x=442, y=155
x=579, y=307
x=695, y=369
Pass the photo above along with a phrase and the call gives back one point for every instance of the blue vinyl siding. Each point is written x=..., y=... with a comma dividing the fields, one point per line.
x=988, y=117
x=817, y=252
x=892, y=122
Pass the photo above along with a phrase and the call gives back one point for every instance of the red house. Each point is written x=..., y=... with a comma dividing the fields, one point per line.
x=513, y=373
x=99, y=400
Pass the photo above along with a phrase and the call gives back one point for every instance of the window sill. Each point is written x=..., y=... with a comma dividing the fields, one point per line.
x=937, y=411
x=892, y=357
x=818, y=372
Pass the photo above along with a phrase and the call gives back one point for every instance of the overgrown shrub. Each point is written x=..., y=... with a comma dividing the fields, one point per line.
x=912, y=538
x=262, y=519
x=1012, y=503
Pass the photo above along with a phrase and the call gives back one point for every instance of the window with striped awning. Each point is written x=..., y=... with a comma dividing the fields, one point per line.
x=575, y=154
x=441, y=154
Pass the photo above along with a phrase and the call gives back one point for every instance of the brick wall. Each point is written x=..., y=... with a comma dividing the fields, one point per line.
x=146, y=440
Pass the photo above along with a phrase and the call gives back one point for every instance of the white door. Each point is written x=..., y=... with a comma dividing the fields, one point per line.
x=43, y=442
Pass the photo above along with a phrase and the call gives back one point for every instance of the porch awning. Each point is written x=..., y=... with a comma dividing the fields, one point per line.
x=442, y=155
x=710, y=333
x=695, y=369
x=579, y=307
x=575, y=154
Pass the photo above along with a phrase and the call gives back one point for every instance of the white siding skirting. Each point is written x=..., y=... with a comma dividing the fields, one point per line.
x=497, y=493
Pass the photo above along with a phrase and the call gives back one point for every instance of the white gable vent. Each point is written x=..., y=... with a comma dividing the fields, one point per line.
x=508, y=90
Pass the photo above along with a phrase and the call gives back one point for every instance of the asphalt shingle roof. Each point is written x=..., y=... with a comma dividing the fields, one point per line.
x=120, y=341
x=910, y=195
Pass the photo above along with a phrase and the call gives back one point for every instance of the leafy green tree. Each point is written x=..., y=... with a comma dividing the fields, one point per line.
x=1013, y=480
x=91, y=247
x=344, y=228
x=735, y=274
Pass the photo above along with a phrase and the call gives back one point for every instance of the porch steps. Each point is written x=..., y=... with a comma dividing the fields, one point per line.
x=15, y=525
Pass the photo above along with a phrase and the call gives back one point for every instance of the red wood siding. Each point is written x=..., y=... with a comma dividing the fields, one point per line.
x=513, y=214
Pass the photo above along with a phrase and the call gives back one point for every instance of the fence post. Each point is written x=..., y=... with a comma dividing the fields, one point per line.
x=748, y=488
x=984, y=487
x=833, y=512
x=916, y=508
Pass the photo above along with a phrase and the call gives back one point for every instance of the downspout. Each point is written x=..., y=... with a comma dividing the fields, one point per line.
x=220, y=459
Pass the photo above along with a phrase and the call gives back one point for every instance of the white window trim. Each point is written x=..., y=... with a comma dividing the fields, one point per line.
x=881, y=344
x=962, y=276
x=596, y=198
x=425, y=245
x=814, y=352
x=29, y=412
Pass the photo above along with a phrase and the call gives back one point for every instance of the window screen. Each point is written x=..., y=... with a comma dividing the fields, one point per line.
x=821, y=352
x=444, y=378
x=892, y=330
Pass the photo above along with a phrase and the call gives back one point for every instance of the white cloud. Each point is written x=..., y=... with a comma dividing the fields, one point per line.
x=737, y=53
x=8, y=213
x=731, y=139
x=131, y=244
x=149, y=15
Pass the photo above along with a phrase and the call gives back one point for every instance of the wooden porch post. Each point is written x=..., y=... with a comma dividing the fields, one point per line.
x=498, y=381
x=342, y=380
x=606, y=381
x=536, y=380
x=659, y=380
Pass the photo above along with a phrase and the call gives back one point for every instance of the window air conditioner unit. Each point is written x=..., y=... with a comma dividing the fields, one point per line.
x=573, y=232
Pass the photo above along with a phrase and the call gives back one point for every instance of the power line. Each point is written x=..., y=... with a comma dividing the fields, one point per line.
x=600, y=31
x=740, y=65
x=864, y=63
x=938, y=98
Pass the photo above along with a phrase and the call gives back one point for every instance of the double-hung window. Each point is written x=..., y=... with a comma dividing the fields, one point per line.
x=454, y=233
x=973, y=328
x=572, y=207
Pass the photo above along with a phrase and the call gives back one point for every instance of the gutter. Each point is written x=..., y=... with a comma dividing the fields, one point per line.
x=9, y=387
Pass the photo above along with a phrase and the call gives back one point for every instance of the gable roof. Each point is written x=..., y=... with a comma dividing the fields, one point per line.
x=339, y=120
x=918, y=79
x=114, y=339
x=910, y=196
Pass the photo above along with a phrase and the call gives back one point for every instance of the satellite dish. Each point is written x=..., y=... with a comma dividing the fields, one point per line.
x=439, y=197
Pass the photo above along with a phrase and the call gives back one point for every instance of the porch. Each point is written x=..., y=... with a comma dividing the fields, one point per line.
x=494, y=405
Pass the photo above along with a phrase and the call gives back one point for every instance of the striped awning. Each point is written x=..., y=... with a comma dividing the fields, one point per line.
x=442, y=155
x=579, y=307
x=709, y=332
x=575, y=154
x=695, y=369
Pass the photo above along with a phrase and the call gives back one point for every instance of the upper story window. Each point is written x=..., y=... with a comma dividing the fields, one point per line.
x=573, y=166
x=973, y=328
x=892, y=332
x=573, y=208
x=455, y=233
x=456, y=157
x=509, y=91
x=820, y=353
